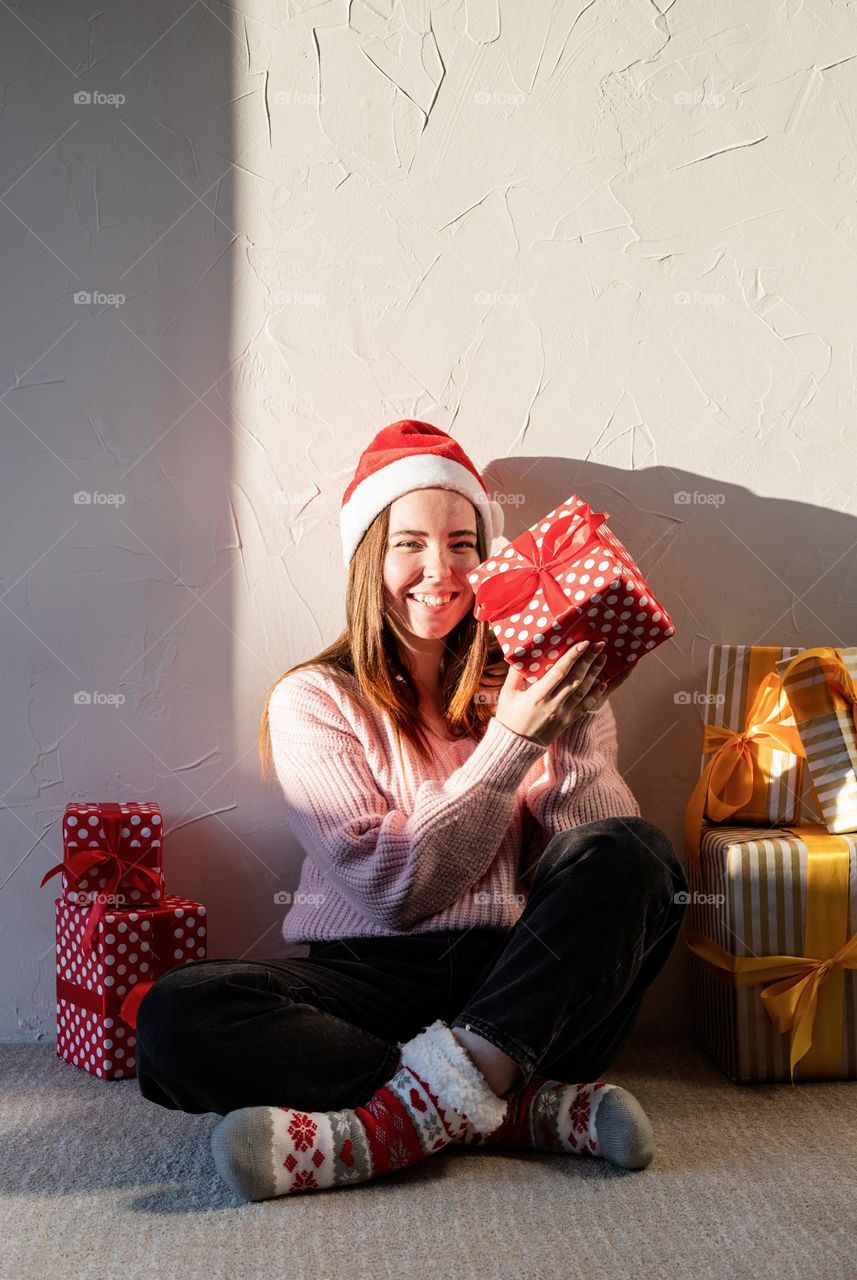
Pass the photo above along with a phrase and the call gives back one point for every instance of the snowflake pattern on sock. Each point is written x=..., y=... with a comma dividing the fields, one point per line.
x=263, y=1152
x=547, y=1115
x=401, y=1124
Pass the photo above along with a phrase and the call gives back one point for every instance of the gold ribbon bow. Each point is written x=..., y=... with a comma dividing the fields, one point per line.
x=809, y=996
x=731, y=775
x=839, y=683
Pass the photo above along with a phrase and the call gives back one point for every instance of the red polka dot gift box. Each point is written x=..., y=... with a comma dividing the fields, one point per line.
x=568, y=578
x=112, y=856
x=99, y=988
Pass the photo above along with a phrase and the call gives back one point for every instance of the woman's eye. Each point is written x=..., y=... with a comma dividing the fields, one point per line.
x=470, y=545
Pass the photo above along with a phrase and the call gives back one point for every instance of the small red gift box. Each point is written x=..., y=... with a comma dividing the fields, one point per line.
x=568, y=578
x=99, y=989
x=112, y=856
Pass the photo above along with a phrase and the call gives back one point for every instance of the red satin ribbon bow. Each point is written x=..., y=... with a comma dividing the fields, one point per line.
x=83, y=860
x=508, y=592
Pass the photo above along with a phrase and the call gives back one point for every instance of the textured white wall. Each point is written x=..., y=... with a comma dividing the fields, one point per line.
x=611, y=249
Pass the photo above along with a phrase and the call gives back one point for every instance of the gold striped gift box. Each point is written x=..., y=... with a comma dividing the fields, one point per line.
x=752, y=756
x=821, y=686
x=772, y=931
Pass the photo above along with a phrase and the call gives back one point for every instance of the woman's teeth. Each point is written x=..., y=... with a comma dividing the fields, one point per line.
x=433, y=602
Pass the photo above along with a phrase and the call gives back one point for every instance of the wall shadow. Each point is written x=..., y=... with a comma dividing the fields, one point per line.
x=730, y=566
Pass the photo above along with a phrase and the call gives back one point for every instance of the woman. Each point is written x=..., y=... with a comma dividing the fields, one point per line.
x=483, y=904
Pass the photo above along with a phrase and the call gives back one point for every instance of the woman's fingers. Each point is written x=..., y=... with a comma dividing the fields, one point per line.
x=590, y=677
x=574, y=671
x=593, y=701
x=554, y=678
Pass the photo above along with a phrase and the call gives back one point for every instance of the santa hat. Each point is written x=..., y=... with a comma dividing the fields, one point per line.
x=411, y=455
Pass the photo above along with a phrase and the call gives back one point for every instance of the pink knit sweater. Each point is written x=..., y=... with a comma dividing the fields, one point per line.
x=394, y=847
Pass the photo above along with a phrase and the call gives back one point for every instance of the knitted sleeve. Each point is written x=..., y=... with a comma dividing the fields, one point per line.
x=394, y=867
x=580, y=780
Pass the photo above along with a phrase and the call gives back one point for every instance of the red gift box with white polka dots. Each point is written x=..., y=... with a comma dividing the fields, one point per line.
x=568, y=578
x=130, y=948
x=135, y=874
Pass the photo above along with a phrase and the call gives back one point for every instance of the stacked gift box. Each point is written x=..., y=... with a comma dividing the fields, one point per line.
x=771, y=849
x=117, y=931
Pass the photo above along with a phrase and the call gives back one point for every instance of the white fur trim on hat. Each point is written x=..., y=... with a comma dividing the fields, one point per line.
x=453, y=1077
x=421, y=471
x=498, y=517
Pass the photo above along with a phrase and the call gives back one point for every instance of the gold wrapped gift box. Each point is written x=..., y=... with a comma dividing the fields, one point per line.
x=772, y=928
x=752, y=756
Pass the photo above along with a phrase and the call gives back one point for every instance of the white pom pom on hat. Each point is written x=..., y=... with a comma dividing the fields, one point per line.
x=410, y=455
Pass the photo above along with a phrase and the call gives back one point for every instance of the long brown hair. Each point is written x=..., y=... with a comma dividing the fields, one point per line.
x=368, y=651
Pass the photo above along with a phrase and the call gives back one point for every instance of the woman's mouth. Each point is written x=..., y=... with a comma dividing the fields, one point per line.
x=436, y=603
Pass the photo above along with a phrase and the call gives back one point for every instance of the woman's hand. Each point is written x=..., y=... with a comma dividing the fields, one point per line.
x=614, y=684
x=494, y=676
x=542, y=709
x=591, y=696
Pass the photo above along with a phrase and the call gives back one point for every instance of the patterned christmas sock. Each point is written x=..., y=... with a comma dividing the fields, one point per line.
x=547, y=1115
x=436, y=1095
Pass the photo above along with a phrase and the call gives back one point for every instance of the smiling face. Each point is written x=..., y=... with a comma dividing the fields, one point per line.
x=431, y=547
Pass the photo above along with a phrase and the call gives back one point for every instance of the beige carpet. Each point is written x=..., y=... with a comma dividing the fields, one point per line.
x=752, y=1180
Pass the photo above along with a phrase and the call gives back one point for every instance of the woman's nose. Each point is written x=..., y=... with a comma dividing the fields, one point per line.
x=436, y=567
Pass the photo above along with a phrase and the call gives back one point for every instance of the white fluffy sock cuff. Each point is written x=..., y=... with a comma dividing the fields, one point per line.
x=453, y=1077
